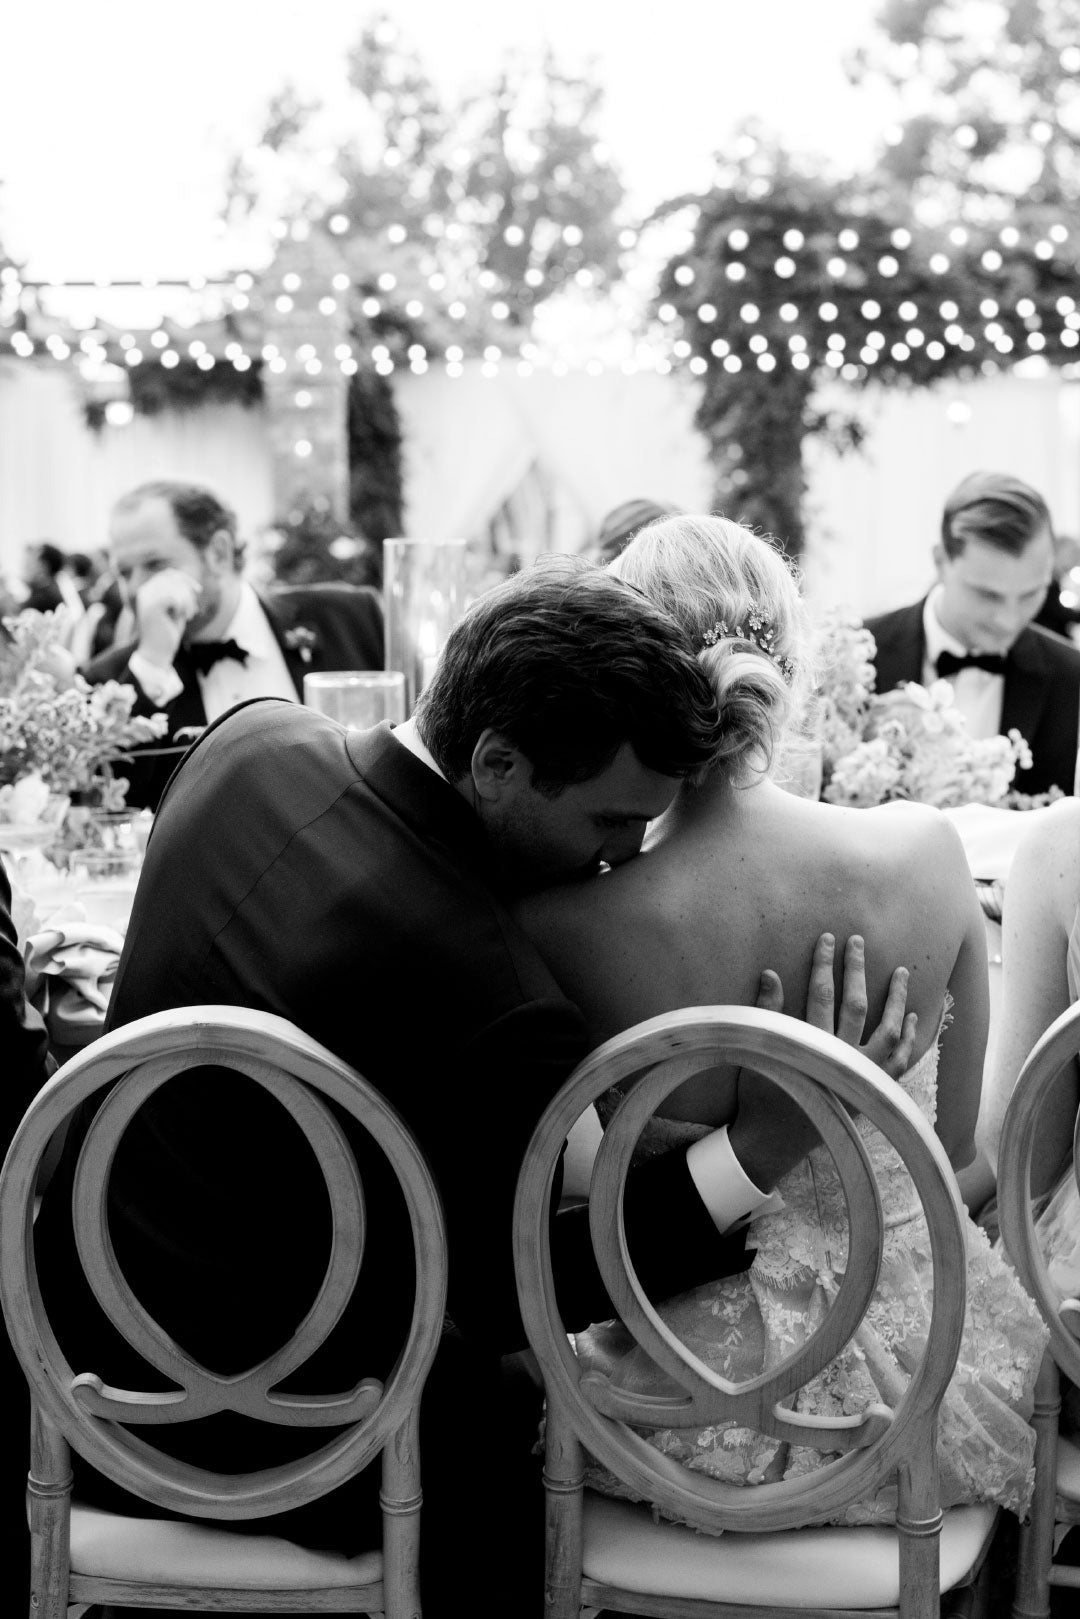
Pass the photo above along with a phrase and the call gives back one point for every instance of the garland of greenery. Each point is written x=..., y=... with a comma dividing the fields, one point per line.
x=376, y=489
x=792, y=281
x=184, y=386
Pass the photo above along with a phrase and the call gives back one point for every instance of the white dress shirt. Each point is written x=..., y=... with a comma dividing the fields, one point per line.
x=979, y=693
x=266, y=674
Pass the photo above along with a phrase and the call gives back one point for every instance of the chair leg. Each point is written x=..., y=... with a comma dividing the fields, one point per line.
x=918, y=1520
x=48, y=1489
x=401, y=1499
x=564, y=1483
x=1031, y=1598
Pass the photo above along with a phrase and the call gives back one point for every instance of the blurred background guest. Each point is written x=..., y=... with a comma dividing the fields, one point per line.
x=975, y=628
x=1060, y=611
x=205, y=639
x=49, y=582
x=622, y=522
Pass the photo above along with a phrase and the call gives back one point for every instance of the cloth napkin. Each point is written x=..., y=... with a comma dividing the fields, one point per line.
x=70, y=968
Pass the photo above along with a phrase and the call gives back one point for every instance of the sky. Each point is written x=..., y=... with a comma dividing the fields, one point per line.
x=118, y=117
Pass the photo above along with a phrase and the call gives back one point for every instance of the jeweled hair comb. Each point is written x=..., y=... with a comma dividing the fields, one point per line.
x=760, y=632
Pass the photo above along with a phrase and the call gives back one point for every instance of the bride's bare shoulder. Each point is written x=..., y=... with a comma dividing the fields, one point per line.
x=902, y=818
x=916, y=837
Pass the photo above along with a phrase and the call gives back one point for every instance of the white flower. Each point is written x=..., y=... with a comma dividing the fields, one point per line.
x=912, y=742
x=27, y=800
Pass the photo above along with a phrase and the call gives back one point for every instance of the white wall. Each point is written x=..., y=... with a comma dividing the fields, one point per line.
x=470, y=442
x=875, y=515
x=58, y=479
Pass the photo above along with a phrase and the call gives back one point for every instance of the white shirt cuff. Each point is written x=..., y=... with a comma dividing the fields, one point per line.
x=725, y=1189
x=160, y=685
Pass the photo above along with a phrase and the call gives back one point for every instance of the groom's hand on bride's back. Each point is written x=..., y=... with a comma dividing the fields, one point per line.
x=891, y=1043
x=771, y=1133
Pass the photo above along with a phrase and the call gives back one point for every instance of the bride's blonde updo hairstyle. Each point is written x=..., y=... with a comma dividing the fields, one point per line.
x=735, y=596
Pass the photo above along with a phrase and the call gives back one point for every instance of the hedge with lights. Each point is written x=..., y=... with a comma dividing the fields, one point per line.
x=154, y=387
x=789, y=281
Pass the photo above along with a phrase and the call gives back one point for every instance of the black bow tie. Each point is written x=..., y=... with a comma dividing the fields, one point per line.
x=204, y=654
x=949, y=664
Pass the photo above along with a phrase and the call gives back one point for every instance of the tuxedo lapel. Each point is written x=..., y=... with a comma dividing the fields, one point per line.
x=901, y=647
x=1027, y=686
x=280, y=617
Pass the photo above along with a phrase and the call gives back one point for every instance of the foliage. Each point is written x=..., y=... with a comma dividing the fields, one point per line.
x=376, y=490
x=57, y=727
x=790, y=279
x=316, y=547
x=184, y=386
x=995, y=118
x=508, y=190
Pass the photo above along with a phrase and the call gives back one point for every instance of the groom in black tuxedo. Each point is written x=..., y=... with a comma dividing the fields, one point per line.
x=358, y=884
x=995, y=563
x=206, y=639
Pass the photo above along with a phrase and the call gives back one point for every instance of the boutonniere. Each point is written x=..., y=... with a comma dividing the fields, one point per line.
x=302, y=641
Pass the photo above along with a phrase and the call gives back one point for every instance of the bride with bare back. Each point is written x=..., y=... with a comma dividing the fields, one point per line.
x=740, y=877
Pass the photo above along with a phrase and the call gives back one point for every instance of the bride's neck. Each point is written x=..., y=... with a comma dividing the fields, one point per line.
x=716, y=798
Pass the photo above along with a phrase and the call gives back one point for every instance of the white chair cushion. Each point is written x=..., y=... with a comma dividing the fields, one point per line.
x=795, y=1568
x=158, y=1551
x=1068, y=1469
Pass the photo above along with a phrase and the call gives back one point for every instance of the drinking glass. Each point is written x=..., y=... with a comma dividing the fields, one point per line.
x=424, y=596
x=104, y=881
x=357, y=698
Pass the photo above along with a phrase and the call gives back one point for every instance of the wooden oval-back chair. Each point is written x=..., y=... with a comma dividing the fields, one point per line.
x=1056, y=1501
x=614, y=1554
x=82, y=1554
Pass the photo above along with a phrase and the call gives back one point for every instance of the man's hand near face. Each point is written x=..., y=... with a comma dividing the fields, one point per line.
x=164, y=606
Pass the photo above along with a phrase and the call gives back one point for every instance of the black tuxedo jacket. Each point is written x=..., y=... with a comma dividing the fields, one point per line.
x=327, y=626
x=24, y=1054
x=24, y=1068
x=1042, y=690
x=331, y=877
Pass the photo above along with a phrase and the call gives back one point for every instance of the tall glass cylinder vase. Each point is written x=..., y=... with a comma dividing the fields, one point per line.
x=423, y=596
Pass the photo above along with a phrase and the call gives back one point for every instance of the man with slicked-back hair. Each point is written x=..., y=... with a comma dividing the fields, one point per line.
x=995, y=562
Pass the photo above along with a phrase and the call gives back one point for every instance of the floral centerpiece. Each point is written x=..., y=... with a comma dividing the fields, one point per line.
x=59, y=736
x=909, y=743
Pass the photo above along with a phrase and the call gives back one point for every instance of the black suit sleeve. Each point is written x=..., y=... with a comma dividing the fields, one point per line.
x=513, y=1069
x=23, y=1043
x=673, y=1243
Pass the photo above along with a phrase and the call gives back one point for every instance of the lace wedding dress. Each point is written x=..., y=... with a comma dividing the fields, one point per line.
x=742, y=1324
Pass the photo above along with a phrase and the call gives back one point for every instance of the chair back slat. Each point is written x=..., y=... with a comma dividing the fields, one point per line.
x=833, y=1083
x=93, y=1417
x=1058, y=1046
x=205, y=1393
x=709, y=1398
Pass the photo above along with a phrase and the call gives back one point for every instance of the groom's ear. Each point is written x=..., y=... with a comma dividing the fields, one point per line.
x=498, y=768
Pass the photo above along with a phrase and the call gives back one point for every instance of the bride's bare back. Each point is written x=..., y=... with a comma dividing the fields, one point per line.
x=740, y=879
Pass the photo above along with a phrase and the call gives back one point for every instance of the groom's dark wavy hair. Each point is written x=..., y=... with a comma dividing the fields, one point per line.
x=568, y=663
